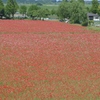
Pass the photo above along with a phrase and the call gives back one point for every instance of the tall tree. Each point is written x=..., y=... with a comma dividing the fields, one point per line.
x=75, y=11
x=53, y=11
x=64, y=10
x=99, y=10
x=43, y=13
x=78, y=12
x=11, y=7
x=32, y=11
x=95, y=5
x=23, y=9
x=1, y=9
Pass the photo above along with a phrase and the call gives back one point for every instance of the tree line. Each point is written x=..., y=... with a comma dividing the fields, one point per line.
x=33, y=11
x=74, y=10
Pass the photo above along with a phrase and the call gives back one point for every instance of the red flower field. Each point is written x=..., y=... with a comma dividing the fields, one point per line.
x=29, y=26
x=44, y=60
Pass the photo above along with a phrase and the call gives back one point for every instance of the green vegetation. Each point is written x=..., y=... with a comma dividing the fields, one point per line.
x=95, y=5
x=36, y=12
x=50, y=7
x=11, y=8
x=82, y=1
x=96, y=29
x=98, y=11
x=32, y=11
x=75, y=11
x=1, y=9
x=23, y=9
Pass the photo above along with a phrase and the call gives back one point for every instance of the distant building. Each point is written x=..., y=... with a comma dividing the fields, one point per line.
x=20, y=16
x=94, y=17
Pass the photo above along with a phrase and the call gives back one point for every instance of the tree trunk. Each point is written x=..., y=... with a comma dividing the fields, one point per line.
x=12, y=16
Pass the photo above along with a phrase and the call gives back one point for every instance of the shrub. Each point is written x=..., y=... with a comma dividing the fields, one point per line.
x=90, y=22
x=85, y=23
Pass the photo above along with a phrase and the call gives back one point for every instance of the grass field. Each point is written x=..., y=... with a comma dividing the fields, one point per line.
x=94, y=28
x=50, y=7
x=47, y=6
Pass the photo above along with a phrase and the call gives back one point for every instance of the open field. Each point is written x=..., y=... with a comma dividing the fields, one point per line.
x=50, y=7
x=44, y=60
x=94, y=28
x=46, y=6
x=31, y=26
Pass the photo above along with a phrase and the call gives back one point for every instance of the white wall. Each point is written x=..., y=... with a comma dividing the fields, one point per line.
x=96, y=19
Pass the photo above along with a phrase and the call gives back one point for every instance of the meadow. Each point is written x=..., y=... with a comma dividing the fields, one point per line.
x=45, y=60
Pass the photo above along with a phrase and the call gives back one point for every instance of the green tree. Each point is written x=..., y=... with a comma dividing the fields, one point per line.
x=1, y=9
x=23, y=9
x=53, y=11
x=43, y=13
x=46, y=13
x=95, y=5
x=75, y=11
x=98, y=10
x=33, y=11
x=64, y=10
x=11, y=8
x=78, y=12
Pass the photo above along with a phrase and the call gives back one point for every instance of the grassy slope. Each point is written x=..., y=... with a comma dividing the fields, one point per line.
x=96, y=29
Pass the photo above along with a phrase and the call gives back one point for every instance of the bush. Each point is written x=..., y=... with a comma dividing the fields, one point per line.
x=85, y=23
x=91, y=22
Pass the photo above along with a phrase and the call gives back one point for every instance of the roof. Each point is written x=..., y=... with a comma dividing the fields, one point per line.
x=91, y=14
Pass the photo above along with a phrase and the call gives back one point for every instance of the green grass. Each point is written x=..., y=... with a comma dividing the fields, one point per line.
x=94, y=28
x=88, y=5
x=50, y=7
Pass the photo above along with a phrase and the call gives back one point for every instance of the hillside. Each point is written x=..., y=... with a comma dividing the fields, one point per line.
x=46, y=60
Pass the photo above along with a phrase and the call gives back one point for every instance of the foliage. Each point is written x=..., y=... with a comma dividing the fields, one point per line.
x=43, y=13
x=85, y=23
x=64, y=10
x=88, y=9
x=91, y=22
x=95, y=5
x=35, y=11
x=75, y=11
x=46, y=12
x=98, y=10
x=1, y=9
x=32, y=11
x=78, y=12
x=96, y=29
x=23, y=9
x=53, y=11
x=11, y=8
x=81, y=1
x=50, y=7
